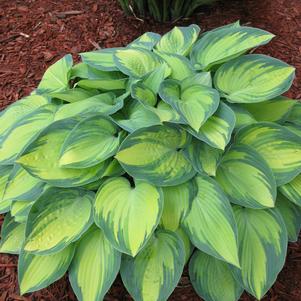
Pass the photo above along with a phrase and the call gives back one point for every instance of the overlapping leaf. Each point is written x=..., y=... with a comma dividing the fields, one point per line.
x=155, y=154
x=128, y=215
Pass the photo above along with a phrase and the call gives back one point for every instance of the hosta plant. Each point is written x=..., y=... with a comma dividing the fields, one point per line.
x=163, y=10
x=175, y=149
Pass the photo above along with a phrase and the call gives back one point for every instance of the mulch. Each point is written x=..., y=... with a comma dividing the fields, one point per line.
x=36, y=33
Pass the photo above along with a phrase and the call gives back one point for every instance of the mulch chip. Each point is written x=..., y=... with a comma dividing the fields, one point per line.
x=36, y=33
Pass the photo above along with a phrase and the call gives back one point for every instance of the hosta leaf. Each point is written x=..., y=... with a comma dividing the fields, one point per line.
x=295, y=128
x=22, y=186
x=41, y=158
x=73, y=95
x=58, y=218
x=179, y=40
x=25, y=131
x=143, y=94
x=102, y=59
x=246, y=178
x=262, y=248
x=155, y=154
x=242, y=116
x=105, y=103
x=212, y=278
x=292, y=190
x=210, y=223
x=274, y=110
x=128, y=215
x=291, y=215
x=180, y=66
x=280, y=148
x=217, y=130
x=36, y=272
x=203, y=157
x=177, y=203
x=153, y=80
x=253, y=78
x=154, y=273
x=113, y=169
x=147, y=41
x=56, y=78
x=5, y=171
x=195, y=103
x=18, y=110
x=295, y=115
x=222, y=44
x=20, y=210
x=91, y=141
x=94, y=267
x=200, y=78
x=83, y=70
x=135, y=116
x=12, y=236
x=188, y=246
x=136, y=62
x=103, y=84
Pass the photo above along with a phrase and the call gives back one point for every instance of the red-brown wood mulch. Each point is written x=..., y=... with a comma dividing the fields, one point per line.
x=36, y=33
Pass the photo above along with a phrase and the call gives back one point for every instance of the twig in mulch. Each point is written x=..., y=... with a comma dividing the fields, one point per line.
x=14, y=36
x=64, y=14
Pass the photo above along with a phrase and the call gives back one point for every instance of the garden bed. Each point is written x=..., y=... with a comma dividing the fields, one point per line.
x=34, y=34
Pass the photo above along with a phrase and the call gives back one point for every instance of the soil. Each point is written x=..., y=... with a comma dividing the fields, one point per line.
x=36, y=33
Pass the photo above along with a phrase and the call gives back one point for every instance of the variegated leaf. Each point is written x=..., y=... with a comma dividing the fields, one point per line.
x=262, y=248
x=295, y=115
x=291, y=215
x=136, y=62
x=25, y=131
x=210, y=223
x=217, y=130
x=253, y=78
x=195, y=104
x=101, y=59
x=274, y=110
x=94, y=267
x=179, y=40
x=22, y=186
x=91, y=142
x=105, y=103
x=222, y=44
x=73, y=95
x=154, y=273
x=135, y=116
x=58, y=218
x=246, y=178
x=292, y=190
x=147, y=41
x=242, y=116
x=188, y=246
x=212, y=278
x=18, y=110
x=177, y=203
x=12, y=235
x=128, y=215
x=280, y=148
x=5, y=172
x=203, y=157
x=36, y=272
x=180, y=66
x=155, y=154
x=56, y=78
x=103, y=84
x=20, y=210
x=41, y=158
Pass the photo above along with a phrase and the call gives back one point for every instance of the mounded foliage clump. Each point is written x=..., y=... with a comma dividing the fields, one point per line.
x=140, y=159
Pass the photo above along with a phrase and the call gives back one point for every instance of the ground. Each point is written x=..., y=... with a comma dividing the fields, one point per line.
x=36, y=33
